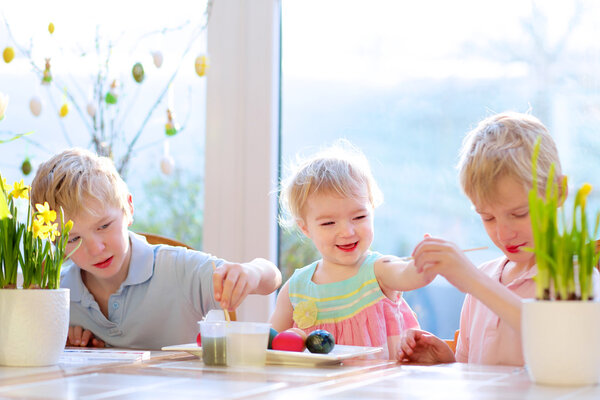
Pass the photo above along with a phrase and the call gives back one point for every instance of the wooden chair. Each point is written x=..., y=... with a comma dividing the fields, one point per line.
x=158, y=239
x=452, y=343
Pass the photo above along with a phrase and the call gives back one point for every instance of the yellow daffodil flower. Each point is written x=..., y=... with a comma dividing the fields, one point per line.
x=40, y=230
x=305, y=314
x=53, y=231
x=583, y=193
x=45, y=214
x=20, y=190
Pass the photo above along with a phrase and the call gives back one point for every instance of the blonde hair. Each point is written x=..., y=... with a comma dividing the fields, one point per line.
x=502, y=145
x=341, y=169
x=73, y=177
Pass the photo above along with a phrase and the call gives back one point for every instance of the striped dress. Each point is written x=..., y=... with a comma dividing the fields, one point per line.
x=355, y=311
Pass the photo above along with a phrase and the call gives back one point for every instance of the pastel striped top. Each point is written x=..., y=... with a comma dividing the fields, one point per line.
x=355, y=311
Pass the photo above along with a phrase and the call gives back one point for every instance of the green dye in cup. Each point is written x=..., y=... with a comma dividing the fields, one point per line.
x=214, y=350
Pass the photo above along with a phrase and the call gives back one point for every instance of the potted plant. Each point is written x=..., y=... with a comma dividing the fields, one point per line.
x=35, y=315
x=560, y=327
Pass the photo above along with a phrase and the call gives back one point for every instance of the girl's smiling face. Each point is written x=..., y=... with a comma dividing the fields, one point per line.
x=341, y=228
x=507, y=222
x=105, y=250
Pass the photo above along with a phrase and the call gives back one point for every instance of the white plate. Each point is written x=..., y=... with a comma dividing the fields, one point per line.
x=337, y=355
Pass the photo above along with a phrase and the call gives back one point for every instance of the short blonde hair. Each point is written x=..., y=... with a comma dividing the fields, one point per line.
x=341, y=169
x=502, y=145
x=73, y=177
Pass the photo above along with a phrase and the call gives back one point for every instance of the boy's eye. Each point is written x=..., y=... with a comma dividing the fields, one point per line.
x=360, y=217
x=105, y=226
x=487, y=219
x=73, y=240
x=522, y=215
x=327, y=223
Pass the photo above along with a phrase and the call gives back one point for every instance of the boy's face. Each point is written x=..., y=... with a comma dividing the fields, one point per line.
x=104, y=251
x=507, y=221
x=341, y=228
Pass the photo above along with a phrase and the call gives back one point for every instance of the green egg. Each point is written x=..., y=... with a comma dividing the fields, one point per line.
x=138, y=72
x=272, y=334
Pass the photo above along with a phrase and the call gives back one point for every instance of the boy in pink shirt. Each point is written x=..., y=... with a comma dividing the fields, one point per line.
x=495, y=173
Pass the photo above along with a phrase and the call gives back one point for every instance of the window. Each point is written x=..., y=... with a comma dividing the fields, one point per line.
x=406, y=80
x=89, y=49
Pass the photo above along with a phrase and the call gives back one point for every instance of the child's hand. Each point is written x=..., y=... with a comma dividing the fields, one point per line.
x=232, y=283
x=82, y=338
x=423, y=347
x=435, y=256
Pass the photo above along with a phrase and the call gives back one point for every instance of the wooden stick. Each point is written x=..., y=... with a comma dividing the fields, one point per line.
x=227, y=317
x=464, y=251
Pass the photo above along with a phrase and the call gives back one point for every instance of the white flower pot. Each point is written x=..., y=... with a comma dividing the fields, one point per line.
x=34, y=324
x=561, y=341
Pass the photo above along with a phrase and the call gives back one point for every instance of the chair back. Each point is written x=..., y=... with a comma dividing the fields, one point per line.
x=153, y=238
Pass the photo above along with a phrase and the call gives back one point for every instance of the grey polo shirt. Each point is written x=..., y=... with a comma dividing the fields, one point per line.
x=167, y=290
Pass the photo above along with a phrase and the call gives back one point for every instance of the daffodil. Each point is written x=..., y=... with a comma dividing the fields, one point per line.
x=3, y=105
x=20, y=190
x=40, y=229
x=45, y=214
x=53, y=231
x=305, y=314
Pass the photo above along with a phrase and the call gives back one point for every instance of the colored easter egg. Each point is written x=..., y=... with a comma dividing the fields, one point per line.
x=201, y=65
x=272, y=334
x=91, y=109
x=64, y=110
x=138, y=72
x=35, y=105
x=167, y=164
x=51, y=28
x=320, y=341
x=157, y=58
x=8, y=54
x=26, y=167
x=288, y=341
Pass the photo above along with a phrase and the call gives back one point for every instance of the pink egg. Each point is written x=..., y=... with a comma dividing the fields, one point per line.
x=288, y=341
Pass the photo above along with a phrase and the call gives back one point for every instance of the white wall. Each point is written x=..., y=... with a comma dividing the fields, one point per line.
x=242, y=137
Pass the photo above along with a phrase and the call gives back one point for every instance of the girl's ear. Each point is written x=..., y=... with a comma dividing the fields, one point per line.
x=563, y=190
x=302, y=225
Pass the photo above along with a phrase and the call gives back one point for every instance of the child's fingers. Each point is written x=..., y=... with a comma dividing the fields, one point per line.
x=75, y=335
x=229, y=281
x=218, y=283
x=85, y=337
x=98, y=343
x=239, y=293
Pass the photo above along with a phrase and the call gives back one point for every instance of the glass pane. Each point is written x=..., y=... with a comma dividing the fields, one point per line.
x=109, y=102
x=406, y=80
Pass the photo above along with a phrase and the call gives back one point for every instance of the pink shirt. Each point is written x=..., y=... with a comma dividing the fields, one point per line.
x=484, y=338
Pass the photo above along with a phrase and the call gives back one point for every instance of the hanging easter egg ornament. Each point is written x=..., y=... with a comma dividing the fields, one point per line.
x=26, y=167
x=138, y=72
x=201, y=65
x=35, y=105
x=51, y=28
x=91, y=109
x=64, y=110
x=111, y=95
x=157, y=58
x=8, y=54
x=47, y=78
x=167, y=164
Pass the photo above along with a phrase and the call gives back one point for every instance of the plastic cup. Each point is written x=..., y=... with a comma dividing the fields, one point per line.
x=247, y=343
x=214, y=350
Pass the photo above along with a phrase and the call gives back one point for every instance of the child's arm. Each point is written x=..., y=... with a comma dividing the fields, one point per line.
x=82, y=338
x=232, y=282
x=282, y=318
x=395, y=274
x=423, y=347
x=437, y=256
